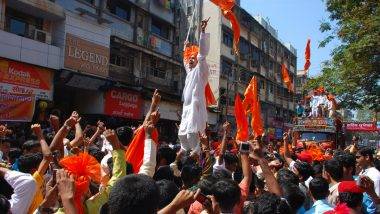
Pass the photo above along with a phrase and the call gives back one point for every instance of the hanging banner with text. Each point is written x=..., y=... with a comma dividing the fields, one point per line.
x=361, y=127
x=123, y=103
x=21, y=78
x=16, y=107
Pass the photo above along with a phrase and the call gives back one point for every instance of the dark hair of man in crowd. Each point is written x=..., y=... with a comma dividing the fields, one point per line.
x=367, y=151
x=163, y=173
x=5, y=206
x=348, y=162
x=165, y=156
x=269, y=203
x=353, y=200
x=227, y=194
x=29, y=163
x=317, y=170
x=334, y=168
x=6, y=189
x=293, y=194
x=96, y=153
x=190, y=175
x=168, y=191
x=230, y=158
x=206, y=184
x=14, y=153
x=134, y=194
x=319, y=188
x=31, y=146
x=256, y=183
x=285, y=176
x=304, y=169
x=376, y=162
x=125, y=135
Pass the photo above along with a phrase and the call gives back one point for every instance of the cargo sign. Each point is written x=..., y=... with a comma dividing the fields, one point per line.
x=21, y=78
x=364, y=127
x=123, y=103
x=86, y=56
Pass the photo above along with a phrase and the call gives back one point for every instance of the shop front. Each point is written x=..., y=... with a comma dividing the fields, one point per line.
x=22, y=88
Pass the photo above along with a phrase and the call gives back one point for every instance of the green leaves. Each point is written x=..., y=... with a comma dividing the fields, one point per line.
x=353, y=73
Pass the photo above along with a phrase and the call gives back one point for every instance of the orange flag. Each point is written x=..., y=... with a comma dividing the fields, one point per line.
x=226, y=7
x=252, y=103
x=210, y=99
x=135, y=152
x=241, y=120
x=307, y=57
x=286, y=77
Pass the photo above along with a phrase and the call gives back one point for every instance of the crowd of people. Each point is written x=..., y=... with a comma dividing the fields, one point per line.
x=64, y=169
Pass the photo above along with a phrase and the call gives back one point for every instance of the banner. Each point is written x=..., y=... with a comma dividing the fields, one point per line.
x=123, y=103
x=21, y=78
x=16, y=107
x=363, y=127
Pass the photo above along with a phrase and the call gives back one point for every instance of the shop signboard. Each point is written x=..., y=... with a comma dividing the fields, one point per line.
x=16, y=107
x=123, y=103
x=86, y=56
x=21, y=78
x=315, y=124
x=361, y=127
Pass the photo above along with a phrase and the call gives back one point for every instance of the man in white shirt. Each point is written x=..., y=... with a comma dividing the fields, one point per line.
x=364, y=159
x=24, y=188
x=194, y=111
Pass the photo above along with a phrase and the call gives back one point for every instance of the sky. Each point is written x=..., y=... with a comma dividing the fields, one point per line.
x=296, y=21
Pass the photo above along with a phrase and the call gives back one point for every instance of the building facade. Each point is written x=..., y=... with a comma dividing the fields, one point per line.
x=261, y=55
x=101, y=58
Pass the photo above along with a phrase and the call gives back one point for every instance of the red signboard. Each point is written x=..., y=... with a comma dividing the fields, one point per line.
x=363, y=127
x=21, y=78
x=123, y=103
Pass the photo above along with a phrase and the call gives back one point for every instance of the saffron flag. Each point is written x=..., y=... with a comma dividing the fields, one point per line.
x=241, y=120
x=252, y=104
x=135, y=152
x=307, y=57
x=287, y=79
x=226, y=7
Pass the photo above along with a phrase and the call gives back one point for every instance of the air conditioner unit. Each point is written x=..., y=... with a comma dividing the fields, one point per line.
x=42, y=36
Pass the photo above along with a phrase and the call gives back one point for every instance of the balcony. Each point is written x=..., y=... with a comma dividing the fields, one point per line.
x=163, y=83
x=27, y=50
x=160, y=45
x=122, y=74
x=39, y=8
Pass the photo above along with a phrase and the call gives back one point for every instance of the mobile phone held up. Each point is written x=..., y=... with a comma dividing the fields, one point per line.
x=244, y=148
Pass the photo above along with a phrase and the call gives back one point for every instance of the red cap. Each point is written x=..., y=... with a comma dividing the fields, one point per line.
x=305, y=156
x=349, y=186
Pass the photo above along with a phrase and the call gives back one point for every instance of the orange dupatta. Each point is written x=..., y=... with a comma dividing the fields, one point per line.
x=135, y=152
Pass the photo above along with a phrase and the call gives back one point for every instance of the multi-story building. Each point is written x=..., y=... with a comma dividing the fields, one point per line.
x=301, y=80
x=261, y=54
x=95, y=56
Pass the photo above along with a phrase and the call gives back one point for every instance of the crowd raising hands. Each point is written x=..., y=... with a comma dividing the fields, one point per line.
x=63, y=168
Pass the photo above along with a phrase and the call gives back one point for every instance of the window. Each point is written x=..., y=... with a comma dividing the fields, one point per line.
x=22, y=24
x=261, y=84
x=158, y=68
x=227, y=39
x=118, y=60
x=226, y=68
x=18, y=27
x=123, y=11
x=255, y=57
x=159, y=28
x=271, y=88
x=244, y=46
x=271, y=65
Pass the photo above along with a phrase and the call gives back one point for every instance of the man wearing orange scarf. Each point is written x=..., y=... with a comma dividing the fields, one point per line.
x=194, y=112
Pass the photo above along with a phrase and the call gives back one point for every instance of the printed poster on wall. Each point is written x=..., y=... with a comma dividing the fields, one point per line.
x=16, y=107
x=213, y=79
x=123, y=103
x=21, y=78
